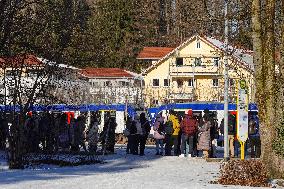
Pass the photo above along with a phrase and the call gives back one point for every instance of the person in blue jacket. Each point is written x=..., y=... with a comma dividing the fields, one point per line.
x=254, y=137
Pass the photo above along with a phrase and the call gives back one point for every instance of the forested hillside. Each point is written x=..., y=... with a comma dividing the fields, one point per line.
x=110, y=33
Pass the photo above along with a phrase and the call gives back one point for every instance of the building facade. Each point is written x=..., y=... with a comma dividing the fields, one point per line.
x=194, y=71
x=113, y=85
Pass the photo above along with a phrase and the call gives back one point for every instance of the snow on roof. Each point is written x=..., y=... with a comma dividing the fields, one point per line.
x=154, y=52
x=51, y=63
x=242, y=55
x=105, y=72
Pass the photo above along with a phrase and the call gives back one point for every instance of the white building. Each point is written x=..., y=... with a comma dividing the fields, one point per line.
x=114, y=85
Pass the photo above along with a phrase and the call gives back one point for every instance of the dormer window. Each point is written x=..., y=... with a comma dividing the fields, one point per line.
x=179, y=62
x=198, y=45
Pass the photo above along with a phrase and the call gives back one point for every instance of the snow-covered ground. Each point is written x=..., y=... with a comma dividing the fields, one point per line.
x=120, y=171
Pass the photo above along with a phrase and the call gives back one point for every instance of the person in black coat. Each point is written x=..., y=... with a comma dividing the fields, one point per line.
x=4, y=131
x=145, y=125
x=108, y=134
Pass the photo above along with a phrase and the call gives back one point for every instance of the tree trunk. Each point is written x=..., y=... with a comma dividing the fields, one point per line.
x=267, y=96
x=268, y=129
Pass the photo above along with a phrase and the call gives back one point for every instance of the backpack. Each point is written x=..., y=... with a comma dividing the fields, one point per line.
x=252, y=130
x=189, y=126
x=169, y=128
x=214, y=133
x=133, y=128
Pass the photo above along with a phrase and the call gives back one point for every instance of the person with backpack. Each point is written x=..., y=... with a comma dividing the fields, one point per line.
x=175, y=135
x=231, y=132
x=145, y=126
x=168, y=137
x=254, y=137
x=133, y=138
x=188, y=127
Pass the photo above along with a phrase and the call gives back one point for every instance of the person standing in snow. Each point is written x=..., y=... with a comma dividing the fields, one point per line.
x=145, y=126
x=159, y=135
x=4, y=131
x=176, y=129
x=189, y=128
x=108, y=134
x=168, y=137
x=204, y=140
x=128, y=127
x=135, y=132
x=93, y=135
x=31, y=129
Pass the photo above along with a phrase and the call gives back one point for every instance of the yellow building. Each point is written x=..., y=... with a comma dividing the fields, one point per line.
x=194, y=71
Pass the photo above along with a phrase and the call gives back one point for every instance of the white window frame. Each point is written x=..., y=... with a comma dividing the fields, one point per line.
x=190, y=82
x=214, y=83
x=198, y=45
x=195, y=60
x=158, y=83
x=214, y=61
x=168, y=83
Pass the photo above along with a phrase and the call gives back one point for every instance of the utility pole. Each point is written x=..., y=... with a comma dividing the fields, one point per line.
x=226, y=142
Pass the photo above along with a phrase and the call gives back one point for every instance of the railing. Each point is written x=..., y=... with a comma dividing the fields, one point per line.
x=180, y=96
x=203, y=69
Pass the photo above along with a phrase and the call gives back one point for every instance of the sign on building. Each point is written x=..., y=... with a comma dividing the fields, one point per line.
x=242, y=107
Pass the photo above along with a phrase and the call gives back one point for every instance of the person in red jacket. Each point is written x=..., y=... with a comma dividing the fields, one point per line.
x=189, y=128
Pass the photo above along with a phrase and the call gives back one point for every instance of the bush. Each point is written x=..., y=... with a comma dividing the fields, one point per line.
x=243, y=172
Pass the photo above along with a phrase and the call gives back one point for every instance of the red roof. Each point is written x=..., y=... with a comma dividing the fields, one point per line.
x=154, y=52
x=105, y=72
x=20, y=60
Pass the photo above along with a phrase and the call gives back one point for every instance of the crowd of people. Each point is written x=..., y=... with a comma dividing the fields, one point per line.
x=190, y=134
x=186, y=135
x=137, y=132
x=53, y=132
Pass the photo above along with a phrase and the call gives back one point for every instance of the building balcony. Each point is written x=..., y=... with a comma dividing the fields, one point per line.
x=189, y=70
x=181, y=96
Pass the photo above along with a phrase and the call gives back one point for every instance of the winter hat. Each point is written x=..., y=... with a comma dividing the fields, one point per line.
x=189, y=112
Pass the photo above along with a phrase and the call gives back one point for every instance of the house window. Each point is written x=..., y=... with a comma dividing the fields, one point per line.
x=124, y=83
x=166, y=82
x=156, y=82
x=95, y=84
x=197, y=62
x=198, y=45
x=179, y=62
x=107, y=84
x=32, y=73
x=232, y=83
x=179, y=83
x=155, y=102
x=11, y=73
x=216, y=61
x=190, y=83
x=215, y=82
